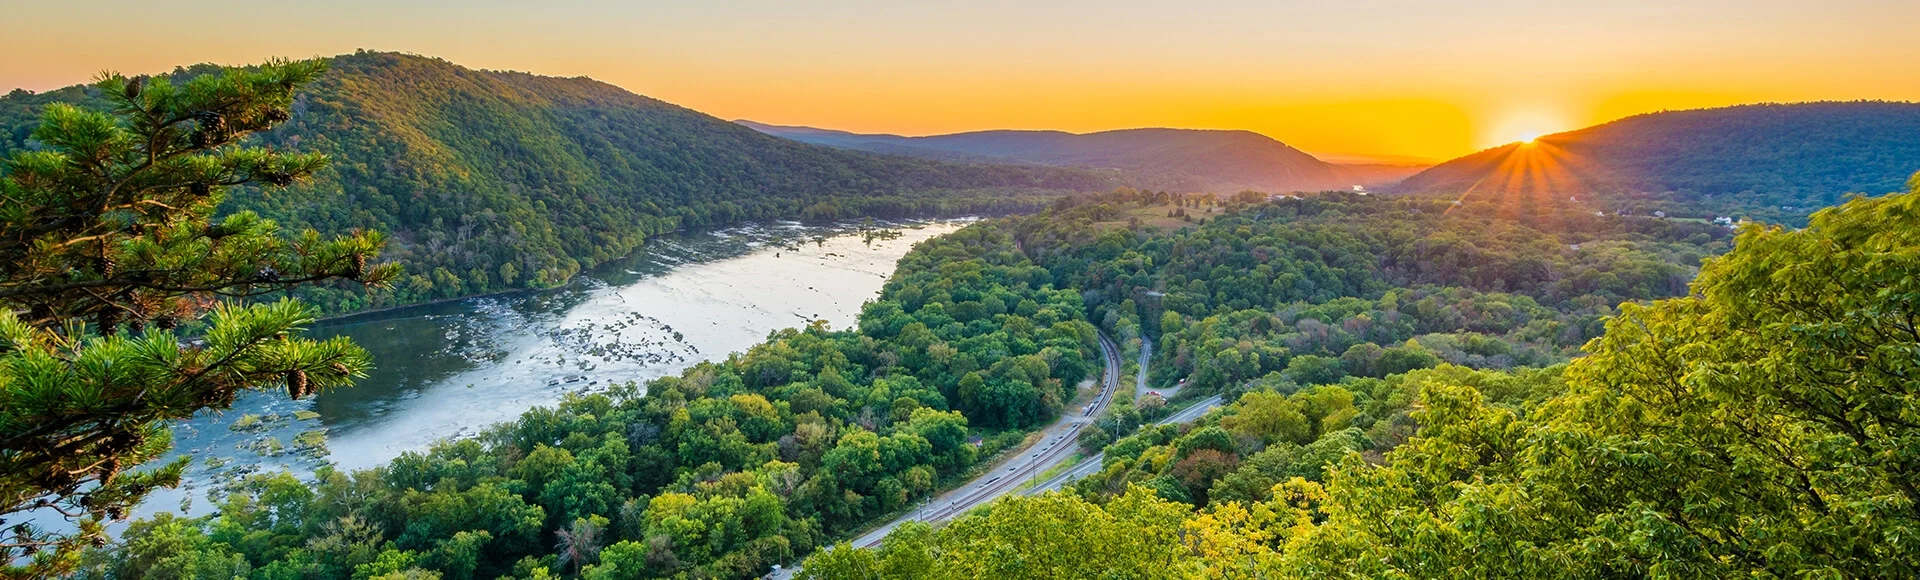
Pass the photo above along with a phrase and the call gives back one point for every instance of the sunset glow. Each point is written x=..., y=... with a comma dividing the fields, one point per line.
x=1524, y=125
x=1369, y=80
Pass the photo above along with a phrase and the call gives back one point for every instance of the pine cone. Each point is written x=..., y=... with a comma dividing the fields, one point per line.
x=278, y=178
x=297, y=385
x=134, y=86
x=108, y=267
x=268, y=274
x=276, y=116
x=200, y=189
x=340, y=368
x=166, y=322
x=212, y=126
x=60, y=479
x=107, y=320
x=211, y=121
x=359, y=271
x=123, y=441
x=108, y=470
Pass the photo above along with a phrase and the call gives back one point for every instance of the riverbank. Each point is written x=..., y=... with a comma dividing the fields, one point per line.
x=450, y=368
x=840, y=225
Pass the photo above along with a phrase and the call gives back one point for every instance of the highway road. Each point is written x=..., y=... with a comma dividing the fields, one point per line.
x=1056, y=444
x=1091, y=465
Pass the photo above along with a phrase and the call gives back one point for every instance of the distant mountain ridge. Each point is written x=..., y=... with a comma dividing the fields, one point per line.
x=1766, y=155
x=1216, y=160
x=489, y=180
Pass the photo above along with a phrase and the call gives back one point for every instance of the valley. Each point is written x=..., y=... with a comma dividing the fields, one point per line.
x=385, y=316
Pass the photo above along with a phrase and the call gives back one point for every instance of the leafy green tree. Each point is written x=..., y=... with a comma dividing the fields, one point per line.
x=342, y=546
x=621, y=560
x=170, y=547
x=1401, y=359
x=458, y=557
x=1314, y=370
x=1765, y=425
x=393, y=564
x=1268, y=417
x=107, y=245
x=1053, y=535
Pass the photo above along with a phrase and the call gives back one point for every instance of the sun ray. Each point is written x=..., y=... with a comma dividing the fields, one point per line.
x=1534, y=181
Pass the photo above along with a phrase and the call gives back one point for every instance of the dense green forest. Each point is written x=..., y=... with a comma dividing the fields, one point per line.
x=720, y=472
x=486, y=181
x=735, y=466
x=1759, y=426
x=1329, y=301
x=1339, y=294
x=1771, y=162
x=1354, y=278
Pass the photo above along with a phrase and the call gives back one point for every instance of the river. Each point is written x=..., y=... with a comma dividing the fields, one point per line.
x=451, y=369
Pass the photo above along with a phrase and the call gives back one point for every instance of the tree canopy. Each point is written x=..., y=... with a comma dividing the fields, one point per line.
x=1759, y=426
x=107, y=246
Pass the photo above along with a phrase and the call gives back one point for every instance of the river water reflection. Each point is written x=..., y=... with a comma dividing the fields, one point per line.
x=452, y=369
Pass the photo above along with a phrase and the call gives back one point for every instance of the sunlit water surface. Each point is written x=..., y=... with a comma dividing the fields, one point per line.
x=451, y=369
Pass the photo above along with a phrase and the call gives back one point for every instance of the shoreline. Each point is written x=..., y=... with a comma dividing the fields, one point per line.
x=348, y=318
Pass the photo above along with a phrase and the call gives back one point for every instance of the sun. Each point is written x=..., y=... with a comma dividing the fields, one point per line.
x=1522, y=126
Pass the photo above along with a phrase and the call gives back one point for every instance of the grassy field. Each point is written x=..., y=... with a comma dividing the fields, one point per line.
x=1155, y=217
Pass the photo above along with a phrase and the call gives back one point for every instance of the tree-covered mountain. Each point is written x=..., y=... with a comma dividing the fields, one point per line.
x=1180, y=159
x=1732, y=160
x=489, y=180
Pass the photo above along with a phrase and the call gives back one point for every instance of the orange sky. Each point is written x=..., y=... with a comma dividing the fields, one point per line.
x=1382, y=78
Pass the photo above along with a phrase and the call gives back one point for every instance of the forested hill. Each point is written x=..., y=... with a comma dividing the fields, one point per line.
x=1804, y=156
x=1182, y=159
x=494, y=180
